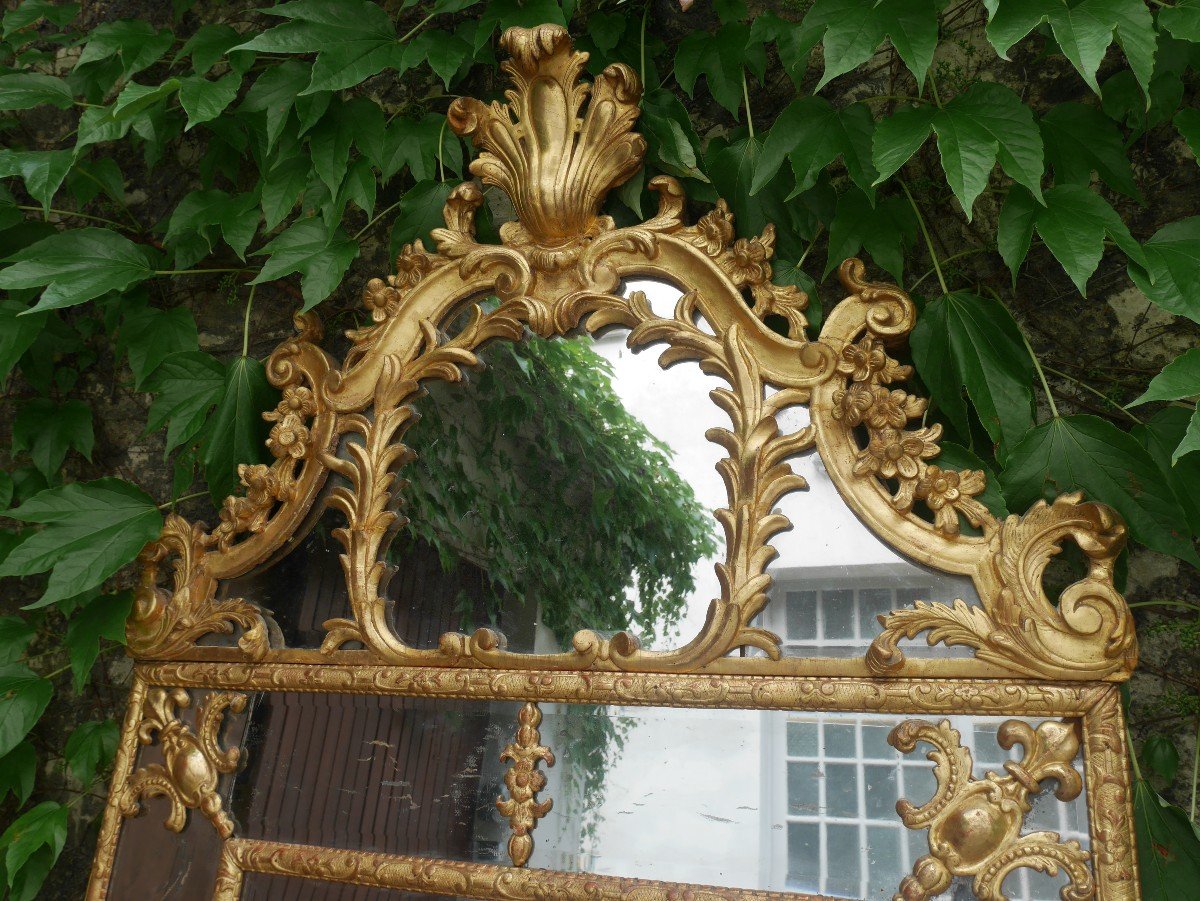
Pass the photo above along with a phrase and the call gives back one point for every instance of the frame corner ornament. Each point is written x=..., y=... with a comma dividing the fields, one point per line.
x=193, y=761
x=975, y=824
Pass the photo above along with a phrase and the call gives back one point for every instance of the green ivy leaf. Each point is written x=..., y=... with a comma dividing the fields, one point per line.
x=1080, y=140
x=282, y=187
x=1187, y=123
x=137, y=98
x=964, y=342
x=420, y=212
x=32, y=11
x=1168, y=845
x=17, y=333
x=985, y=123
x=90, y=748
x=1171, y=269
x=319, y=255
x=1083, y=31
x=23, y=697
x=605, y=29
x=136, y=44
x=1073, y=224
x=201, y=213
x=274, y=94
x=1161, y=435
x=48, y=430
x=732, y=170
x=18, y=769
x=148, y=335
x=42, y=171
x=1179, y=379
x=353, y=40
x=15, y=636
x=444, y=52
x=812, y=133
x=208, y=44
x=1071, y=453
x=884, y=231
x=854, y=31
x=76, y=266
x=329, y=145
x=1182, y=20
x=102, y=617
x=185, y=386
x=44, y=826
x=92, y=529
x=721, y=57
x=238, y=431
x=204, y=100
x=1014, y=232
x=1161, y=755
x=672, y=140
x=25, y=90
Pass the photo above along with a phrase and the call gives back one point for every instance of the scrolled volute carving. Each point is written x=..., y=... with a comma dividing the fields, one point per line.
x=975, y=824
x=193, y=761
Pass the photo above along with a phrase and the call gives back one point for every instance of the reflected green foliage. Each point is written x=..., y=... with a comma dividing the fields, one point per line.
x=537, y=474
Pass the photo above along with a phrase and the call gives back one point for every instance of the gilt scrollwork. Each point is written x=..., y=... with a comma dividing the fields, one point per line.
x=524, y=780
x=193, y=761
x=975, y=824
x=273, y=503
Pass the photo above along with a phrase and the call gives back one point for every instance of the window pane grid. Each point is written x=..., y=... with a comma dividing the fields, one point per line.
x=885, y=845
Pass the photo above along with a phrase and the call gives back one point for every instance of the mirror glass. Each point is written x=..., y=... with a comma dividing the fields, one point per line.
x=834, y=576
x=568, y=485
x=769, y=800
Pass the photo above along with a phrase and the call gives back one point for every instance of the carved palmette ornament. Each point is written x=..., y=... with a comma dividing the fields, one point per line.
x=975, y=824
x=193, y=761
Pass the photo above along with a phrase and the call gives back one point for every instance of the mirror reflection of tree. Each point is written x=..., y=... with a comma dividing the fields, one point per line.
x=536, y=475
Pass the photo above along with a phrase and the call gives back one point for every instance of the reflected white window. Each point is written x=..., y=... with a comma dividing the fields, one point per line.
x=834, y=782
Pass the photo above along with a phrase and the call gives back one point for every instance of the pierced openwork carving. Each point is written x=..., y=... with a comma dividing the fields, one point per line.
x=524, y=781
x=192, y=761
x=975, y=824
x=557, y=147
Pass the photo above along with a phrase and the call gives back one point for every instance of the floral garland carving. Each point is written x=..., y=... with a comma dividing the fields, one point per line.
x=524, y=780
x=975, y=824
x=165, y=623
x=192, y=761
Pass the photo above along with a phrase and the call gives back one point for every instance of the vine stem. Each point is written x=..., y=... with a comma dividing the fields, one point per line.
x=362, y=231
x=416, y=28
x=746, y=96
x=180, y=500
x=246, y=321
x=1133, y=761
x=441, y=144
x=642, y=47
x=198, y=271
x=937, y=266
x=1041, y=375
x=77, y=215
x=1196, y=769
x=1098, y=394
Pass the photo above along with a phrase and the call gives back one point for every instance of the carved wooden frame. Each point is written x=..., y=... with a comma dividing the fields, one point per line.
x=557, y=148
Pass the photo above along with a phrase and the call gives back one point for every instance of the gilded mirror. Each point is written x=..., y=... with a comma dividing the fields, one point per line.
x=811, y=663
